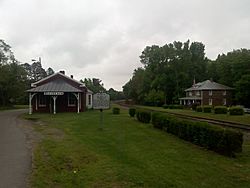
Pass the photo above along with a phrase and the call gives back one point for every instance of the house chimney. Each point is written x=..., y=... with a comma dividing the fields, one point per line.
x=71, y=76
x=62, y=72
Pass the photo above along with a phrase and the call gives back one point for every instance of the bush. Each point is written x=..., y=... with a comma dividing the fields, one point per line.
x=165, y=106
x=220, y=110
x=223, y=141
x=131, y=112
x=143, y=116
x=207, y=109
x=198, y=109
x=116, y=110
x=236, y=110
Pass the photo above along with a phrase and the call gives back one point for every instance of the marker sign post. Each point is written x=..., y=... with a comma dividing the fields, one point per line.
x=101, y=101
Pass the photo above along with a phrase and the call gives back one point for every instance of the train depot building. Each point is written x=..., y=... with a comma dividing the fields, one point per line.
x=59, y=93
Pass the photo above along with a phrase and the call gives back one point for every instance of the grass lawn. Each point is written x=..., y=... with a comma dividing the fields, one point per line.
x=74, y=152
x=13, y=107
x=245, y=119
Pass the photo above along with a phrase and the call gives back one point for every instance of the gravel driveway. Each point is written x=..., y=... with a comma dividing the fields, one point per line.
x=15, y=156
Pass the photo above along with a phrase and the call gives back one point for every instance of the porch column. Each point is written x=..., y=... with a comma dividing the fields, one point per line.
x=54, y=99
x=36, y=102
x=30, y=107
x=30, y=102
x=78, y=103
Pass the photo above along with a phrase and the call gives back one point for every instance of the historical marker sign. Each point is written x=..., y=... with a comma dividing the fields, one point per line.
x=101, y=101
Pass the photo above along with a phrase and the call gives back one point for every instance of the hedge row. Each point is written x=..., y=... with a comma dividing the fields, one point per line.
x=143, y=116
x=235, y=110
x=220, y=110
x=221, y=140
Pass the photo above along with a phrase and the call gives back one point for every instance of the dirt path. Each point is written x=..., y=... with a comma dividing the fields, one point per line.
x=15, y=154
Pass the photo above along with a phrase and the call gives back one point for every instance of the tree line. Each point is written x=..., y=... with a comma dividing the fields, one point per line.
x=170, y=69
x=15, y=77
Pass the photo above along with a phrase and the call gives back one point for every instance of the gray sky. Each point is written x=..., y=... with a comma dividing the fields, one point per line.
x=104, y=38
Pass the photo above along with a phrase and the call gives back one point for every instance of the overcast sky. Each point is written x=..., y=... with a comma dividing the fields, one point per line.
x=104, y=38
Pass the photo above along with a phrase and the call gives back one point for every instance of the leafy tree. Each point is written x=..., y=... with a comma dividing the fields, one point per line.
x=13, y=82
x=243, y=91
x=115, y=95
x=169, y=69
x=154, y=98
x=94, y=85
x=49, y=71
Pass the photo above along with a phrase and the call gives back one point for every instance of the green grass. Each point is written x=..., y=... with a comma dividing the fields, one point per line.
x=245, y=119
x=13, y=107
x=74, y=152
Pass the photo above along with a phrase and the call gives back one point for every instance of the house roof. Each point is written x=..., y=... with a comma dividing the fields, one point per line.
x=58, y=73
x=55, y=86
x=208, y=85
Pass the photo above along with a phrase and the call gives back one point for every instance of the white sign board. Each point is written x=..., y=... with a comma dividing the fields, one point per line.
x=53, y=93
x=101, y=101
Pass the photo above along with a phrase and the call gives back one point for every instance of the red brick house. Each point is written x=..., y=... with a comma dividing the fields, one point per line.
x=208, y=93
x=59, y=93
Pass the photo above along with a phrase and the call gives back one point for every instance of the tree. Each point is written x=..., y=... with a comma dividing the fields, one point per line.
x=36, y=72
x=169, y=69
x=94, y=85
x=13, y=82
x=243, y=91
x=6, y=55
x=49, y=71
x=115, y=95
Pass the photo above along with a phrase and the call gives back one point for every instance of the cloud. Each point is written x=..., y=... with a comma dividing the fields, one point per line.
x=104, y=39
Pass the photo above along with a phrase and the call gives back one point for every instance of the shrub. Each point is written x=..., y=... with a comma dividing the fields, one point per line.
x=143, y=116
x=131, y=112
x=116, y=110
x=236, y=110
x=220, y=110
x=165, y=106
x=223, y=141
x=198, y=109
x=207, y=109
x=158, y=120
x=194, y=106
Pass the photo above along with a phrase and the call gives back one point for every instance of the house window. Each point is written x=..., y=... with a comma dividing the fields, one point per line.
x=89, y=99
x=210, y=102
x=224, y=101
x=198, y=93
x=190, y=93
x=71, y=100
x=210, y=92
x=42, y=101
x=224, y=93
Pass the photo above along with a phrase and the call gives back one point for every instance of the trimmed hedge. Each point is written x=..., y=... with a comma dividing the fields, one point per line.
x=220, y=110
x=207, y=109
x=236, y=110
x=198, y=109
x=132, y=112
x=143, y=116
x=224, y=141
x=116, y=110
